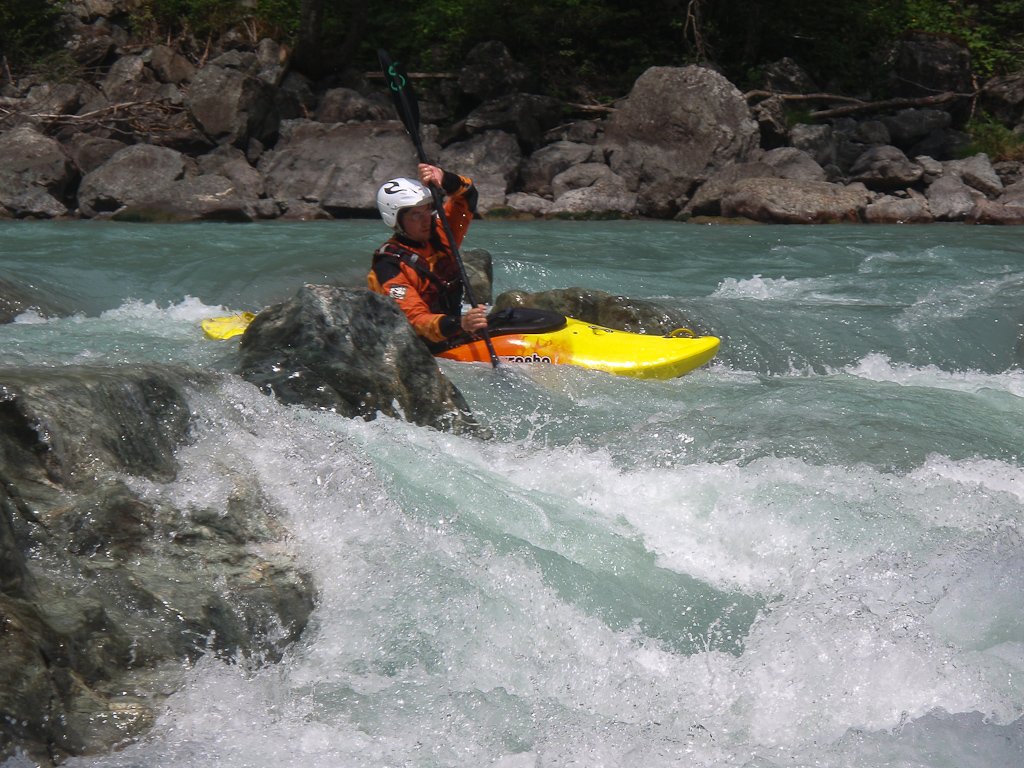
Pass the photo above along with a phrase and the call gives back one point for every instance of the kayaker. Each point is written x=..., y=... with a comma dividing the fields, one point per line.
x=416, y=267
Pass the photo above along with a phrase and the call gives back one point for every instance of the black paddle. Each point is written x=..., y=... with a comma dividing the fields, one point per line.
x=409, y=111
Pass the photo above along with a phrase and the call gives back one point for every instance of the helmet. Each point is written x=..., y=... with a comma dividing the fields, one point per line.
x=397, y=195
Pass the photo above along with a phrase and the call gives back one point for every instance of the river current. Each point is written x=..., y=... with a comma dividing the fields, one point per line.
x=807, y=553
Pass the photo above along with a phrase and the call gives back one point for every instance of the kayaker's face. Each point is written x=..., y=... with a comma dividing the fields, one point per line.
x=416, y=222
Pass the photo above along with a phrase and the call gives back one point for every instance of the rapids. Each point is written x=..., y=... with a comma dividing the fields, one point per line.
x=807, y=553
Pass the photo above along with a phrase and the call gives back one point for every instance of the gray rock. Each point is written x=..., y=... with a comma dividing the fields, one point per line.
x=527, y=204
x=818, y=141
x=909, y=126
x=31, y=163
x=924, y=64
x=786, y=76
x=988, y=212
x=230, y=104
x=491, y=159
x=591, y=190
x=526, y=116
x=105, y=594
x=785, y=201
x=676, y=124
x=36, y=204
x=199, y=198
x=949, y=199
x=1013, y=195
x=885, y=168
x=707, y=201
x=793, y=163
x=537, y=170
x=90, y=152
x=170, y=66
x=351, y=351
x=977, y=172
x=338, y=168
x=339, y=105
x=772, y=122
x=1003, y=98
x=895, y=210
x=130, y=176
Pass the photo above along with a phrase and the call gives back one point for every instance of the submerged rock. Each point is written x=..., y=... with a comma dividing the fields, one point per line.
x=104, y=594
x=351, y=351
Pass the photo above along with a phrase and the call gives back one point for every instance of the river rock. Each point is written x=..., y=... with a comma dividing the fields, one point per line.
x=793, y=163
x=524, y=115
x=707, y=201
x=591, y=190
x=354, y=352
x=977, y=172
x=772, y=123
x=989, y=212
x=340, y=105
x=1003, y=98
x=949, y=199
x=786, y=76
x=677, y=125
x=106, y=594
x=786, y=201
x=35, y=173
x=819, y=141
x=133, y=174
x=199, y=198
x=491, y=159
x=170, y=66
x=340, y=167
x=537, y=170
x=885, y=168
x=616, y=312
x=897, y=210
x=230, y=104
x=1013, y=195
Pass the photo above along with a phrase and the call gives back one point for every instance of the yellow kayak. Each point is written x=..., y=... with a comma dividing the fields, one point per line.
x=639, y=355
x=226, y=327
x=562, y=341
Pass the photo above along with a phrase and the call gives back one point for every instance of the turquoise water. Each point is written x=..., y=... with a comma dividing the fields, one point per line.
x=807, y=553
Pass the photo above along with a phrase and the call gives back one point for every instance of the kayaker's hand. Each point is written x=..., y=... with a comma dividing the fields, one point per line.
x=474, y=319
x=430, y=174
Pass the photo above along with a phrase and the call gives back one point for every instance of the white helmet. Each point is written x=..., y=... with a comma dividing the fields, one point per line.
x=397, y=195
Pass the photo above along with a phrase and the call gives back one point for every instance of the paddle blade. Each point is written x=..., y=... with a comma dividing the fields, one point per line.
x=401, y=91
x=227, y=327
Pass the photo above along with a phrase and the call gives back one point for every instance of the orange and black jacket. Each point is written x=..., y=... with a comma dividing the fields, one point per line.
x=424, y=278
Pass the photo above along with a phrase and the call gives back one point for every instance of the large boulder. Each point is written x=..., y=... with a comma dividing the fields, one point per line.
x=35, y=174
x=340, y=167
x=526, y=116
x=107, y=592
x=787, y=201
x=351, y=351
x=231, y=104
x=924, y=64
x=198, y=198
x=677, y=125
x=1003, y=98
x=131, y=175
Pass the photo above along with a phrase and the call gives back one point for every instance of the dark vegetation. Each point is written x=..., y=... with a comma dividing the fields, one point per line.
x=575, y=48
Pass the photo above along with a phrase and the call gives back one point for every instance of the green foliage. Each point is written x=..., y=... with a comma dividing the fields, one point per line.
x=26, y=28
x=992, y=30
x=202, y=17
x=994, y=139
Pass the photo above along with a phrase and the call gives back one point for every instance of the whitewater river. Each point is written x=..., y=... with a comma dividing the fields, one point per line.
x=808, y=553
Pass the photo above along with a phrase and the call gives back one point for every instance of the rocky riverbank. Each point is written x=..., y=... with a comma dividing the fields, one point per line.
x=152, y=135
